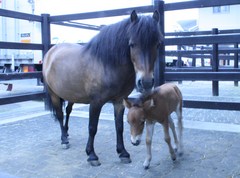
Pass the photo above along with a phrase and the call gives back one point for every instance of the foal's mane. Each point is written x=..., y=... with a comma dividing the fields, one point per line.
x=111, y=45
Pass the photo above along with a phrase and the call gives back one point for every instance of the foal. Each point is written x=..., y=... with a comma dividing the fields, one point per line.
x=153, y=107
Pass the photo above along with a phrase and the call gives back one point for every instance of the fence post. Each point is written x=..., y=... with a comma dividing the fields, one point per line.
x=159, y=68
x=215, y=64
x=46, y=36
x=46, y=40
x=236, y=62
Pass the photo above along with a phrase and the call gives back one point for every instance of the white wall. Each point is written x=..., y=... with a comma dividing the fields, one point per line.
x=209, y=20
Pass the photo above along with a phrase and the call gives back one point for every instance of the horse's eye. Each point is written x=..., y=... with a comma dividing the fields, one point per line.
x=158, y=45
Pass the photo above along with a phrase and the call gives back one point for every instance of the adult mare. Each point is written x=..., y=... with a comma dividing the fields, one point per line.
x=106, y=69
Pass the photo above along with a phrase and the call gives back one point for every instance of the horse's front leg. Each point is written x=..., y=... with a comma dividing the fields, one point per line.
x=172, y=126
x=118, y=116
x=94, y=112
x=149, y=135
x=167, y=139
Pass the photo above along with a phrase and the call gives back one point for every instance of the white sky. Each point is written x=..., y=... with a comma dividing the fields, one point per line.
x=62, y=7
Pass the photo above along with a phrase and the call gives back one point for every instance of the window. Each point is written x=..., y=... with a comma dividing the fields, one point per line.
x=221, y=9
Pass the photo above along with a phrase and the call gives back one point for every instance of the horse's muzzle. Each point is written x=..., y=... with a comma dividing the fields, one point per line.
x=136, y=143
x=144, y=85
x=136, y=140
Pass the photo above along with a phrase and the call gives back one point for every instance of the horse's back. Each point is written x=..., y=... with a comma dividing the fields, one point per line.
x=167, y=97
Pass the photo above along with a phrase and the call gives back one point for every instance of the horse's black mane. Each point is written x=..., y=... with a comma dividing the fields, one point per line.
x=111, y=45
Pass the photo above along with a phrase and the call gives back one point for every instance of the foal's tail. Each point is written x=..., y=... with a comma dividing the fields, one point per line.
x=49, y=104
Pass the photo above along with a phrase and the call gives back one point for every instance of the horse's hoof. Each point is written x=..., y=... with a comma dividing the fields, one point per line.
x=125, y=160
x=94, y=163
x=65, y=146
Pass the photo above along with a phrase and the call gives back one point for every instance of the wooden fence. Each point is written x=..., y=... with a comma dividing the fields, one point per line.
x=162, y=73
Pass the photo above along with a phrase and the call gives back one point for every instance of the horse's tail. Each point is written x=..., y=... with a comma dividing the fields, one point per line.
x=49, y=105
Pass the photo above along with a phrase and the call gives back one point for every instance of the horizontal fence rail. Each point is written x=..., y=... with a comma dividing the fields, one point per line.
x=19, y=76
x=163, y=73
x=22, y=98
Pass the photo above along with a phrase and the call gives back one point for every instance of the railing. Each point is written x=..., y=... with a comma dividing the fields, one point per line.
x=162, y=73
x=19, y=76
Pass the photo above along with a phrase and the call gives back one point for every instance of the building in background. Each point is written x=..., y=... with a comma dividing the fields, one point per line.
x=23, y=31
x=221, y=17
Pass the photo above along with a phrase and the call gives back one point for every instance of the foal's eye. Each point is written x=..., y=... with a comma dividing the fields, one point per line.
x=158, y=45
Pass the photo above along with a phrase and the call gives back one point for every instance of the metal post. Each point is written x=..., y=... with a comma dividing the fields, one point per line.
x=46, y=40
x=194, y=58
x=46, y=36
x=159, y=69
x=236, y=61
x=215, y=65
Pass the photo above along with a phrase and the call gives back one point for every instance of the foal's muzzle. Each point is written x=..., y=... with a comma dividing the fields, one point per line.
x=136, y=143
x=144, y=85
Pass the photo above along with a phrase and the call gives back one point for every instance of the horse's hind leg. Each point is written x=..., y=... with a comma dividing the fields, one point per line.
x=180, y=129
x=57, y=105
x=118, y=115
x=172, y=126
x=168, y=140
x=68, y=112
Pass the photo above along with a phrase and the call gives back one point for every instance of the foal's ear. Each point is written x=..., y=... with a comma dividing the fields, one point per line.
x=127, y=103
x=134, y=16
x=148, y=104
x=156, y=16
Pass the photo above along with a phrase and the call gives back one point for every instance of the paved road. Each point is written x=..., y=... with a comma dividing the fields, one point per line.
x=30, y=144
x=31, y=148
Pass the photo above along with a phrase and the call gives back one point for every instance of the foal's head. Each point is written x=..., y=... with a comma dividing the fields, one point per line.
x=144, y=41
x=136, y=118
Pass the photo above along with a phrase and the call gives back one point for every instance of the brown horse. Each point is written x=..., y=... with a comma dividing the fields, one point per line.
x=156, y=106
x=104, y=70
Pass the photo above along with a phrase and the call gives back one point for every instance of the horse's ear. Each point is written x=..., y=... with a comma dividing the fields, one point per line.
x=149, y=104
x=127, y=103
x=133, y=16
x=156, y=15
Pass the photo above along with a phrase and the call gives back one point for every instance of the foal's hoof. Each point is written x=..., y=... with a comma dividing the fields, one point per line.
x=65, y=146
x=94, y=163
x=174, y=157
x=125, y=160
x=146, y=167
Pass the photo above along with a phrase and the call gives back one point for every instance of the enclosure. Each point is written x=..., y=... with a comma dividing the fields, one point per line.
x=209, y=83
x=214, y=45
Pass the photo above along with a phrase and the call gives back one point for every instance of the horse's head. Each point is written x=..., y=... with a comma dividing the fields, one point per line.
x=136, y=119
x=144, y=39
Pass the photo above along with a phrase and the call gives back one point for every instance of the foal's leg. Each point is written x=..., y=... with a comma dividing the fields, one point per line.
x=149, y=134
x=168, y=140
x=180, y=130
x=68, y=112
x=172, y=126
x=94, y=112
x=118, y=116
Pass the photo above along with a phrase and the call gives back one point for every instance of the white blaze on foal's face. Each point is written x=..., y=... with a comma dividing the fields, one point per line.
x=136, y=121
